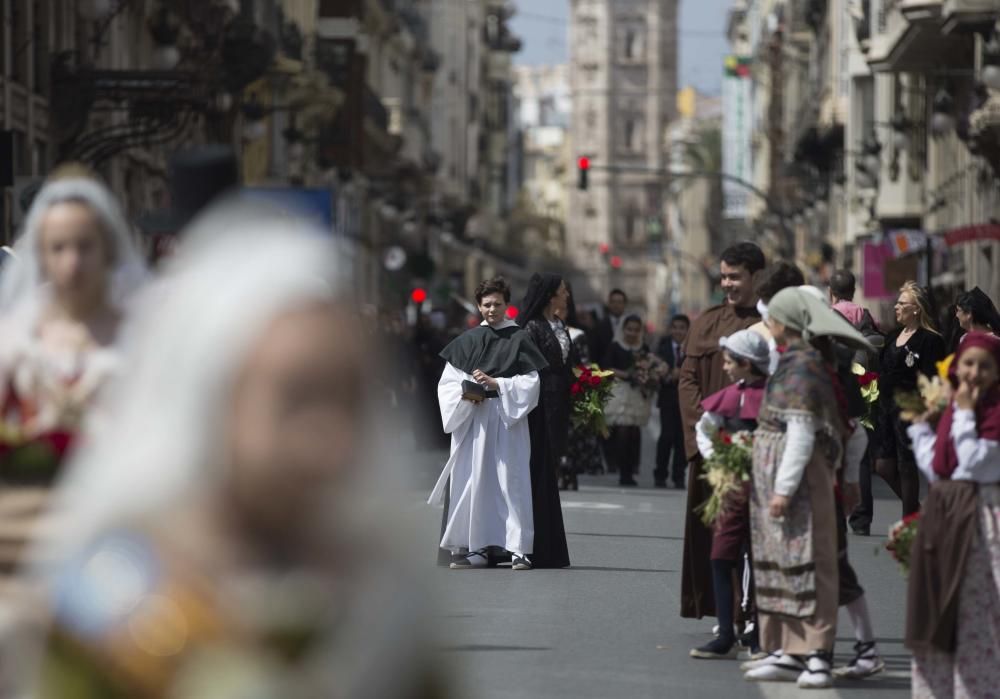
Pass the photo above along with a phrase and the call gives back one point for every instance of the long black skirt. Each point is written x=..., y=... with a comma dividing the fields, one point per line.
x=550, y=549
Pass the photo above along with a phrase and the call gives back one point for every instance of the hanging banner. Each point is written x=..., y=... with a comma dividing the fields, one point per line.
x=969, y=234
x=874, y=257
x=736, y=135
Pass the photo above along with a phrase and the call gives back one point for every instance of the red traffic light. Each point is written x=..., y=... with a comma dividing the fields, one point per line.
x=583, y=162
x=512, y=312
x=603, y=248
x=616, y=262
x=418, y=295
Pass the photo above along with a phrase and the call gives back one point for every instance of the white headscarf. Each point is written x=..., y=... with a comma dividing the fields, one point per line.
x=23, y=290
x=238, y=269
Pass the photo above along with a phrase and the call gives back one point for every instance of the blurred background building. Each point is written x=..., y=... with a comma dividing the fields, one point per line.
x=875, y=139
x=623, y=76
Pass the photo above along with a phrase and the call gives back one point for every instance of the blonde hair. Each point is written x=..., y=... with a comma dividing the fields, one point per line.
x=923, y=303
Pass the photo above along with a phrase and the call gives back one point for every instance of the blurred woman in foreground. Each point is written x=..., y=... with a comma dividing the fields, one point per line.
x=218, y=543
x=63, y=297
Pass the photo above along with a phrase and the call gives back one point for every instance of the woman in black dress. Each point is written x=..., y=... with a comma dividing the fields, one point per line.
x=911, y=350
x=543, y=303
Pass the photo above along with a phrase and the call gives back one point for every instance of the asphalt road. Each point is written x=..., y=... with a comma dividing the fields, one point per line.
x=609, y=625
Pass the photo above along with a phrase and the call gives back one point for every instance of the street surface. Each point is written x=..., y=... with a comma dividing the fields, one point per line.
x=609, y=625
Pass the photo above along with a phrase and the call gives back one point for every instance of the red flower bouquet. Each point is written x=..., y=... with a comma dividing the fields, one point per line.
x=31, y=449
x=590, y=393
x=901, y=537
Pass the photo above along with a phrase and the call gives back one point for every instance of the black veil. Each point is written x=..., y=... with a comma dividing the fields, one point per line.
x=541, y=289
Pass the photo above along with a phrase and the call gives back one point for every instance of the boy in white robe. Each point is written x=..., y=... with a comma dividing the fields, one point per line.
x=486, y=391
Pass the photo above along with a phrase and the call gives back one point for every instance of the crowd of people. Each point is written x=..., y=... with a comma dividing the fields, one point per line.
x=188, y=450
x=778, y=360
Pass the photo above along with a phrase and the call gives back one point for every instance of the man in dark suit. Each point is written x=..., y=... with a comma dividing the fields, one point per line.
x=670, y=349
x=609, y=327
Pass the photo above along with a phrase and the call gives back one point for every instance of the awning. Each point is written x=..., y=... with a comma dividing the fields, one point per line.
x=971, y=234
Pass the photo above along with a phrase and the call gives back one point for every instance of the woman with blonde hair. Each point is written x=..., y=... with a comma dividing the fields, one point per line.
x=911, y=350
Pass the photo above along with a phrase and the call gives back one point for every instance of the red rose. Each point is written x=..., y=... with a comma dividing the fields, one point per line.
x=911, y=518
x=595, y=380
x=867, y=378
x=575, y=389
x=725, y=437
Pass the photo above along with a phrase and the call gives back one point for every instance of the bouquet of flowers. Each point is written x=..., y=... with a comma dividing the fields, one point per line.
x=34, y=440
x=590, y=393
x=725, y=472
x=932, y=395
x=868, y=381
x=901, y=537
x=647, y=372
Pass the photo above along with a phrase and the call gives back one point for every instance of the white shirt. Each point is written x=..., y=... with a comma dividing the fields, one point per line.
x=978, y=459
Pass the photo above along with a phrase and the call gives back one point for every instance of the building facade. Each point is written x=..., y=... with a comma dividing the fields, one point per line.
x=623, y=77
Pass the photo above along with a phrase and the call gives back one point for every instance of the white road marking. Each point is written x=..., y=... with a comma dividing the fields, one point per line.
x=573, y=504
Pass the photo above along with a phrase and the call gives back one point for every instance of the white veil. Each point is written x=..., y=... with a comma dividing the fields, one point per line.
x=22, y=287
x=237, y=270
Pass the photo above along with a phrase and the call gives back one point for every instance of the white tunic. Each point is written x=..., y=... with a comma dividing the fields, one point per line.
x=489, y=464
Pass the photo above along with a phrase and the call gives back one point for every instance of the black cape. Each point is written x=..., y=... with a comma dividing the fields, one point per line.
x=499, y=353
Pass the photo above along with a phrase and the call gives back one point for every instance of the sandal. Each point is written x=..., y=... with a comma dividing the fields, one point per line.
x=473, y=559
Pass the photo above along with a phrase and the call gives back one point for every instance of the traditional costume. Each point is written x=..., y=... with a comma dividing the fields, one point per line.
x=798, y=447
x=549, y=423
x=701, y=376
x=628, y=408
x=490, y=480
x=953, y=614
x=733, y=409
x=48, y=387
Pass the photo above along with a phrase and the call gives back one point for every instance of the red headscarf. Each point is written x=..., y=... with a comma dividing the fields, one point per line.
x=987, y=409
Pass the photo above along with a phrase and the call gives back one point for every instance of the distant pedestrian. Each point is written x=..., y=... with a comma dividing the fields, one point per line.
x=976, y=312
x=671, y=460
x=609, y=327
x=637, y=376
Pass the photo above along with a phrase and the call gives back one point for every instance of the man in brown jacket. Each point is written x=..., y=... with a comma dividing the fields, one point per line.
x=701, y=376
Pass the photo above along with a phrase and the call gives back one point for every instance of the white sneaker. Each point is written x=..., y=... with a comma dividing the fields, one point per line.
x=786, y=668
x=866, y=663
x=762, y=658
x=817, y=673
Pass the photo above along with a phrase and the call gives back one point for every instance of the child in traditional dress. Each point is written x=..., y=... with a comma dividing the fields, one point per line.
x=797, y=449
x=953, y=618
x=732, y=409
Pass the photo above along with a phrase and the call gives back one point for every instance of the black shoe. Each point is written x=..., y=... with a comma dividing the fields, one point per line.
x=716, y=649
x=630, y=482
x=862, y=530
x=660, y=484
x=680, y=485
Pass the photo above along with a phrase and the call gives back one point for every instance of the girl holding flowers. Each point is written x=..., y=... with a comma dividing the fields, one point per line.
x=953, y=614
x=730, y=411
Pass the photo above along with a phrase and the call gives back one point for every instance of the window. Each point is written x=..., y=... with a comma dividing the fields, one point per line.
x=632, y=223
x=631, y=37
x=632, y=134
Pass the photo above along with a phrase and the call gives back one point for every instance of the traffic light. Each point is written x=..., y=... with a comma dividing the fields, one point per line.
x=582, y=169
x=418, y=295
